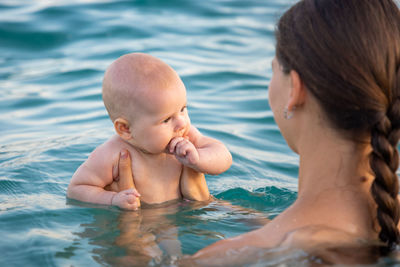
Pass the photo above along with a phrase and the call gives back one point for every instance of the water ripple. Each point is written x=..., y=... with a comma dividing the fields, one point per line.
x=53, y=56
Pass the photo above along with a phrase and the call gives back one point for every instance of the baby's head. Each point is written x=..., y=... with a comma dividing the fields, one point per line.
x=146, y=100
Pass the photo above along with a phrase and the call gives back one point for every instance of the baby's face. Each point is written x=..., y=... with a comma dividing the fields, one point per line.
x=162, y=116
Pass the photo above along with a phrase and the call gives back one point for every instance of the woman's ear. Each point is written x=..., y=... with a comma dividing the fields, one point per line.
x=298, y=91
x=122, y=127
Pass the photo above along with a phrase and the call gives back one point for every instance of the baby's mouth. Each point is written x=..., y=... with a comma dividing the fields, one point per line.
x=185, y=132
x=184, y=135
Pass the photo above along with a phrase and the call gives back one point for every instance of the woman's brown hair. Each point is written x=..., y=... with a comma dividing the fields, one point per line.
x=347, y=52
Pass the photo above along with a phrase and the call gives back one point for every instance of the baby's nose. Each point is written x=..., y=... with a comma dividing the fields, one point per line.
x=180, y=123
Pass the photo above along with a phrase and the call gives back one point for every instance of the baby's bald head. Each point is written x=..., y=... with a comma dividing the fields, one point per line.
x=131, y=79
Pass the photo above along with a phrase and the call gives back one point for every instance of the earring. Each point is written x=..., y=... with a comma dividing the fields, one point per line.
x=288, y=114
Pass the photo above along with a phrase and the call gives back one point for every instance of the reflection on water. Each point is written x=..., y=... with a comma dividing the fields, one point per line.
x=153, y=234
x=165, y=235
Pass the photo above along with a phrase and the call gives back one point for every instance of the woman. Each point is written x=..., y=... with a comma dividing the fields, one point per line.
x=335, y=95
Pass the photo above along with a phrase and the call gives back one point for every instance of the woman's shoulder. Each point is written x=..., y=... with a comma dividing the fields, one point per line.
x=330, y=244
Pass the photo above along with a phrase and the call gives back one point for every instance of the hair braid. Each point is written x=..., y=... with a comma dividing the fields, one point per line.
x=384, y=162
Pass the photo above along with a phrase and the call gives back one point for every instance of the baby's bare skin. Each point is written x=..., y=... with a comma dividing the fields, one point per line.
x=156, y=177
x=146, y=101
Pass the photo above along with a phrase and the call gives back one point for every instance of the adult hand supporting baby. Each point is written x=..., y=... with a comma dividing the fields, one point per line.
x=127, y=196
x=125, y=171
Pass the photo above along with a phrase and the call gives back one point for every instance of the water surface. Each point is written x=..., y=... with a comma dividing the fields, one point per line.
x=52, y=58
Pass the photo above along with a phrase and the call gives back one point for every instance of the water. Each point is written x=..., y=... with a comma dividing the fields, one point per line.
x=52, y=58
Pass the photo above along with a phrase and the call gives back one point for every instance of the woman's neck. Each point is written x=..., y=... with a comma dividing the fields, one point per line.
x=335, y=181
x=329, y=161
x=333, y=165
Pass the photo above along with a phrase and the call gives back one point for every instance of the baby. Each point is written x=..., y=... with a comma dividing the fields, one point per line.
x=146, y=101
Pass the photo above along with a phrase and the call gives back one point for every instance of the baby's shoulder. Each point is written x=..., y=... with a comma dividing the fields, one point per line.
x=115, y=142
x=108, y=151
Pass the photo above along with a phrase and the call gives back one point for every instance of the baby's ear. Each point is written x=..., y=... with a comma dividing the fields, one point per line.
x=122, y=127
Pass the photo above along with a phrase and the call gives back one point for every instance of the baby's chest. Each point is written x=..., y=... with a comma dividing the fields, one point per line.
x=158, y=184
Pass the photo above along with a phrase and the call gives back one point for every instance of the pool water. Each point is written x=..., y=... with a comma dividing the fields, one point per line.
x=52, y=58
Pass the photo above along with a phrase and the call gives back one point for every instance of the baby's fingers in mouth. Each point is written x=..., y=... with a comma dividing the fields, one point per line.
x=172, y=144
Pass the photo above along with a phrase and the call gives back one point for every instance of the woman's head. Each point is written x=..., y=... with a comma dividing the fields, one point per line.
x=347, y=53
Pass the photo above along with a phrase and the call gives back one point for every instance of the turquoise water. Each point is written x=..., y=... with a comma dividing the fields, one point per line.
x=52, y=58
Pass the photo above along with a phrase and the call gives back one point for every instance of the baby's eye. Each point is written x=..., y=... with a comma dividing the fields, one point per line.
x=184, y=108
x=167, y=120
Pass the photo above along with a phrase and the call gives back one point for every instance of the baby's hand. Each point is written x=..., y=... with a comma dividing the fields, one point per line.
x=127, y=199
x=184, y=151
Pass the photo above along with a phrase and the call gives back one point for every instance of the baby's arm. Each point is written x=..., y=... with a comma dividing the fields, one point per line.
x=193, y=185
x=201, y=153
x=89, y=181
